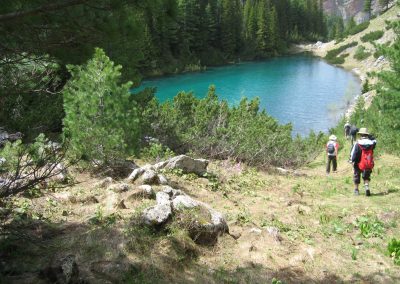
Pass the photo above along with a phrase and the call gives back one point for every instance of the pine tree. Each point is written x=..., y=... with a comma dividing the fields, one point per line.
x=100, y=120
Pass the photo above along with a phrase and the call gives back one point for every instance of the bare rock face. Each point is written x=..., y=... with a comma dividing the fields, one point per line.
x=352, y=8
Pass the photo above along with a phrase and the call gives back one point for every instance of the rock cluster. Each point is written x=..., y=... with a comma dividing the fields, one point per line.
x=204, y=226
x=148, y=174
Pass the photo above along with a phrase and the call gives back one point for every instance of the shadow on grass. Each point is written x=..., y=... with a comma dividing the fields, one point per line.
x=127, y=253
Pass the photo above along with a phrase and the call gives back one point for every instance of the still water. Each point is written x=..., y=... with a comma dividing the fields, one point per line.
x=302, y=90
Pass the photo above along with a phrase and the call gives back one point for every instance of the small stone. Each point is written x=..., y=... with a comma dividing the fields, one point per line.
x=255, y=231
x=118, y=188
x=105, y=182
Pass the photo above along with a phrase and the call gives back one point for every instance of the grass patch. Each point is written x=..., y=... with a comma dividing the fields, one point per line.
x=372, y=36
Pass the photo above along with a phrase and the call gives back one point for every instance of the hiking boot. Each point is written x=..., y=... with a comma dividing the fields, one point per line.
x=367, y=192
x=356, y=192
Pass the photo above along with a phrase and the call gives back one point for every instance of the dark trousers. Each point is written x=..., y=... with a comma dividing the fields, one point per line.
x=334, y=164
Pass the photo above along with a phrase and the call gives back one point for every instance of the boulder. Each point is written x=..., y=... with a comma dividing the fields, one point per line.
x=135, y=174
x=163, y=198
x=206, y=225
x=207, y=232
x=172, y=192
x=157, y=215
x=120, y=187
x=147, y=190
x=150, y=177
x=162, y=180
x=186, y=164
x=182, y=202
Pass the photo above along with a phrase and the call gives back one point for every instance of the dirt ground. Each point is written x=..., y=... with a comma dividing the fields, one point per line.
x=293, y=227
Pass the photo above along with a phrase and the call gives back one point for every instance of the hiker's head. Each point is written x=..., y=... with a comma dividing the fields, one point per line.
x=332, y=138
x=363, y=132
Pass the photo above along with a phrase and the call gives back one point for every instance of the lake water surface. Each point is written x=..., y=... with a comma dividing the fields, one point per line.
x=303, y=90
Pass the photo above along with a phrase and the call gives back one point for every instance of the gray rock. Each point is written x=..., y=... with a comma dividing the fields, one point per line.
x=147, y=190
x=186, y=164
x=105, y=182
x=135, y=174
x=120, y=187
x=172, y=192
x=157, y=215
x=204, y=232
x=163, y=198
x=162, y=180
x=160, y=165
x=183, y=202
x=150, y=177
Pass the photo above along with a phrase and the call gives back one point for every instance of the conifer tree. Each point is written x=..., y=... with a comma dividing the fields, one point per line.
x=101, y=120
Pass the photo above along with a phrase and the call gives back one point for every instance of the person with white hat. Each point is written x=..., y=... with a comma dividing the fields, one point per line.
x=362, y=157
x=332, y=148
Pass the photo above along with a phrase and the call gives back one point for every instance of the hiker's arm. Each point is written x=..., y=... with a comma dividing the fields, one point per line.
x=354, y=152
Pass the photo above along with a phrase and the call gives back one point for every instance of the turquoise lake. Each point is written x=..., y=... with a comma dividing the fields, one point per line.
x=302, y=90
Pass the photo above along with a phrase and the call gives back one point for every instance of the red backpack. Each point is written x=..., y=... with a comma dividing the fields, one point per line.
x=367, y=159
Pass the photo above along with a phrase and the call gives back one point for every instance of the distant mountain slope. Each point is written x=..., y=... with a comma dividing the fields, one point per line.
x=352, y=8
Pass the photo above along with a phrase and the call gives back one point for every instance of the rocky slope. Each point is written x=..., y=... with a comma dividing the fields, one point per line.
x=352, y=8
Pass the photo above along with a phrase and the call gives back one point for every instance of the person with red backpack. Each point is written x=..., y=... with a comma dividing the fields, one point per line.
x=362, y=157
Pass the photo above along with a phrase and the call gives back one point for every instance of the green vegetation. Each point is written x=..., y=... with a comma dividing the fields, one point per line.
x=100, y=121
x=146, y=37
x=370, y=227
x=372, y=36
x=360, y=53
x=211, y=128
x=394, y=250
x=382, y=116
x=332, y=55
x=358, y=28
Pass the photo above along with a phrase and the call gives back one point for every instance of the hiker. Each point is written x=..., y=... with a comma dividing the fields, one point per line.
x=347, y=127
x=332, y=148
x=353, y=134
x=362, y=157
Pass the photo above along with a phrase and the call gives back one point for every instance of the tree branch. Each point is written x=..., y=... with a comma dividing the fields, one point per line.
x=41, y=9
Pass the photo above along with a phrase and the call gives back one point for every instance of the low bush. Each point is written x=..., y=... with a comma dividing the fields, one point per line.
x=370, y=227
x=359, y=28
x=360, y=53
x=372, y=36
x=332, y=55
x=211, y=128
